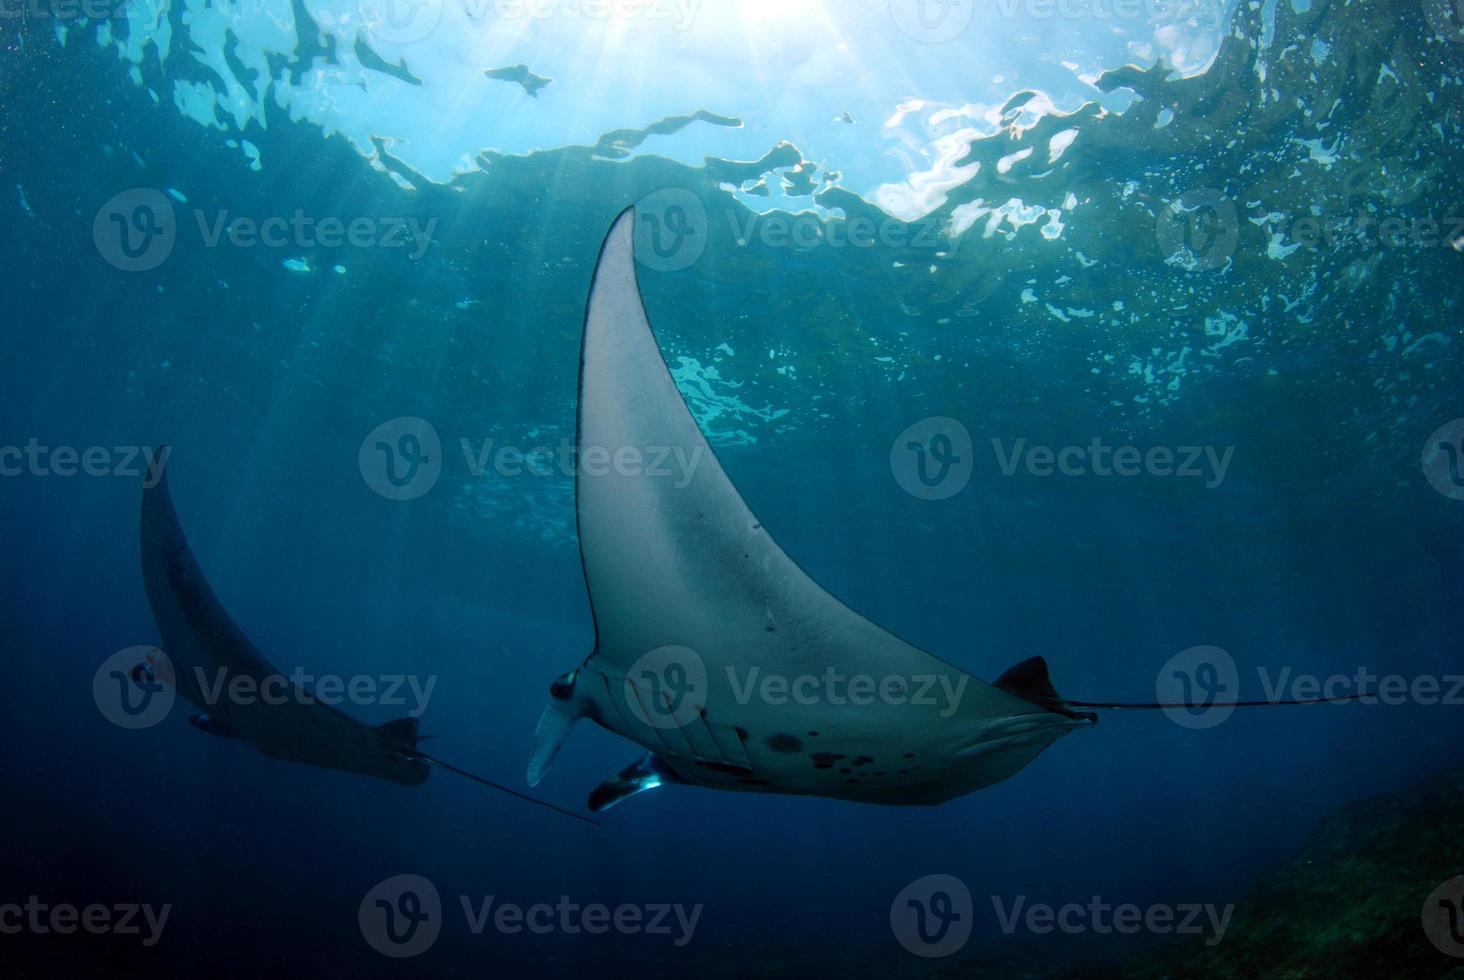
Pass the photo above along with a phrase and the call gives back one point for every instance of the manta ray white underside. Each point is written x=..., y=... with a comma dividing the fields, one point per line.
x=693, y=600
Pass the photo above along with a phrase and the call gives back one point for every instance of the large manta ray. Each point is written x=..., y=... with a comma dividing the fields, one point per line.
x=692, y=597
x=693, y=602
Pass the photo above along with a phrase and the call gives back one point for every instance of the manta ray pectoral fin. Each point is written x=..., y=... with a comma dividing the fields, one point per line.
x=645, y=774
x=1030, y=681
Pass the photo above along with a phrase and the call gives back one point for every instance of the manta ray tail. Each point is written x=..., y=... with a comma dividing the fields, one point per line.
x=500, y=787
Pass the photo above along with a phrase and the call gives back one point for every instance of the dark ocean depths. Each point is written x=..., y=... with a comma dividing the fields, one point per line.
x=1330, y=374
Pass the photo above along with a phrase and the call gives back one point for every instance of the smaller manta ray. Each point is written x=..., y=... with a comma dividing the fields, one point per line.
x=204, y=646
x=692, y=599
x=522, y=75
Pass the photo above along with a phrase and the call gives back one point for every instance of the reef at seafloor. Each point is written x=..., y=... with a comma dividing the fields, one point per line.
x=1349, y=904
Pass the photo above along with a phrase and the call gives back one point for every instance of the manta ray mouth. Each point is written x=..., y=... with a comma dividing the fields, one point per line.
x=1018, y=730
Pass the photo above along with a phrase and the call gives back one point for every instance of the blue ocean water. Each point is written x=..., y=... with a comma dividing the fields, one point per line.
x=1232, y=230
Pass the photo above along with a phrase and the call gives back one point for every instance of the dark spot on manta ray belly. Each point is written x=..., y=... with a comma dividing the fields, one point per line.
x=784, y=743
x=825, y=760
x=863, y=760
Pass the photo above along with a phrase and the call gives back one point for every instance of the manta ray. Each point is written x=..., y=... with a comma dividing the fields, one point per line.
x=692, y=600
x=203, y=650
